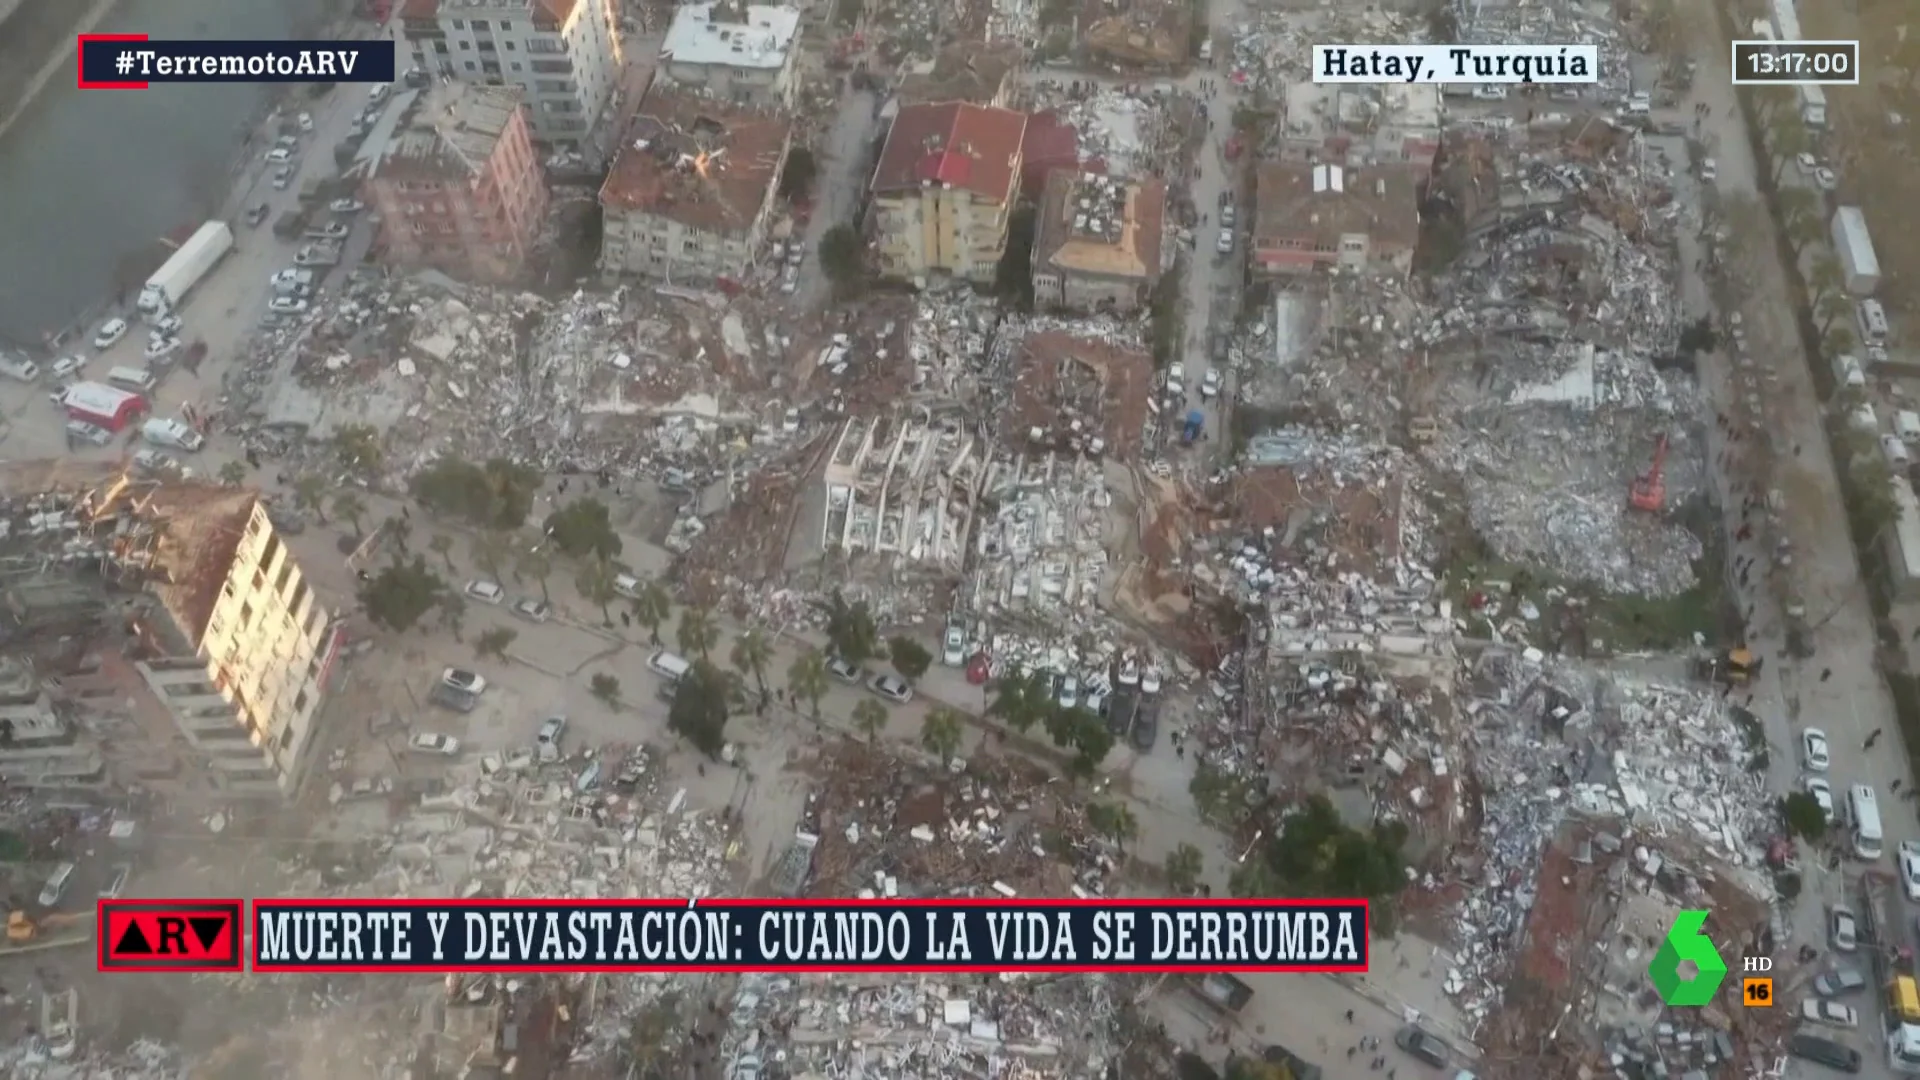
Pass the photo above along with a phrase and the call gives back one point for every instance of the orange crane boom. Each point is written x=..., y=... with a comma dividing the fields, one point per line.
x=1649, y=490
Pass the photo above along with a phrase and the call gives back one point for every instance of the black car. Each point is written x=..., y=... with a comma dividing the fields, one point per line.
x=1422, y=1046
x=1146, y=725
x=448, y=697
x=1120, y=708
x=1826, y=1052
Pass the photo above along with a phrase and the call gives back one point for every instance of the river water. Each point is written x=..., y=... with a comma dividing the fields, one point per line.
x=92, y=178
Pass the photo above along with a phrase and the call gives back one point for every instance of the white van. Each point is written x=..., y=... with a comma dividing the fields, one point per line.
x=1872, y=319
x=173, y=433
x=1863, y=809
x=627, y=585
x=56, y=884
x=1896, y=452
x=138, y=380
x=669, y=666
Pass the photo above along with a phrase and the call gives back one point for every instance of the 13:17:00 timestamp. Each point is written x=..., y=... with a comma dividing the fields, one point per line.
x=1789, y=62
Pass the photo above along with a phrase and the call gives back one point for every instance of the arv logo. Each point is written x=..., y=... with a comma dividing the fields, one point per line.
x=1686, y=942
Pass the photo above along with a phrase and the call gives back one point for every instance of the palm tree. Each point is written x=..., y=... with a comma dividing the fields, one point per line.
x=1825, y=277
x=534, y=563
x=310, y=493
x=1113, y=821
x=595, y=582
x=1802, y=231
x=442, y=545
x=870, y=717
x=1796, y=204
x=807, y=679
x=1184, y=865
x=1832, y=306
x=697, y=634
x=1789, y=141
x=940, y=733
x=1021, y=701
x=750, y=654
x=651, y=606
x=490, y=550
x=233, y=473
x=349, y=507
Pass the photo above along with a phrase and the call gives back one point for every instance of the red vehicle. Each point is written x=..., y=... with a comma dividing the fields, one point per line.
x=103, y=405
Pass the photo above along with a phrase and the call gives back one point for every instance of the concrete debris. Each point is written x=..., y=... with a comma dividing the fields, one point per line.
x=38, y=1058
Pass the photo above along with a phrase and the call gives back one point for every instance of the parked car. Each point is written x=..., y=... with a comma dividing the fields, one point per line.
x=427, y=742
x=117, y=884
x=953, y=648
x=467, y=682
x=454, y=698
x=282, y=177
x=891, y=687
x=1826, y=179
x=1210, y=384
x=155, y=463
x=161, y=347
x=1813, y=750
x=1839, y=982
x=168, y=325
x=287, y=305
x=1146, y=725
x=258, y=213
x=346, y=206
x=110, y=333
x=1823, y=1051
x=533, y=610
x=280, y=155
x=1822, y=1011
x=1843, y=928
x=1067, y=692
x=1423, y=1047
x=843, y=671
x=67, y=366
x=79, y=431
x=1150, y=681
x=547, y=742
x=1224, y=245
x=332, y=230
x=487, y=592
x=1821, y=792
x=305, y=120
x=1909, y=860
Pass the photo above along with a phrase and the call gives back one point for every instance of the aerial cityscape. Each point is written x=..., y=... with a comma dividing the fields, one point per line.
x=1130, y=449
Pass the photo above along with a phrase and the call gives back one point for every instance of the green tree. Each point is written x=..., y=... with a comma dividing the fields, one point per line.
x=606, y=689
x=651, y=607
x=357, y=447
x=496, y=495
x=751, y=652
x=584, y=527
x=351, y=510
x=495, y=642
x=1247, y=1068
x=595, y=582
x=1838, y=341
x=699, y=710
x=491, y=549
x=1870, y=495
x=535, y=563
x=1022, y=700
x=807, y=680
x=1830, y=307
x=1211, y=790
x=310, y=494
x=1803, y=816
x=1113, y=821
x=1802, y=232
x=697, y=634
x=941, y=732
x=1314, y=853
x=400, y=594
x=233, y=473
x=843, y=257
x=910, y=658
x=1184, y=865
x=442, y=545
x=1789, y=140
x=870, y=718
x=453, y=612
x=1796, y=204
x=400, y=530
x=1825, y=277
x=851, y=630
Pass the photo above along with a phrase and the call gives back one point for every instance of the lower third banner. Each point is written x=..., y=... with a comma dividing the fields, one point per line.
x=828, y=936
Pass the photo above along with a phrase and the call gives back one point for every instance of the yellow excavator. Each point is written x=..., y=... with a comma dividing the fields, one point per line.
x=1730, y=666
x=22, y=928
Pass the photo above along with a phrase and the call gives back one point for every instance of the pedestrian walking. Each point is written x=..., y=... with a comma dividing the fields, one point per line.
x=1351, y=1050
x=1349, y=1016
x=1872, y=738
x=1827, y=673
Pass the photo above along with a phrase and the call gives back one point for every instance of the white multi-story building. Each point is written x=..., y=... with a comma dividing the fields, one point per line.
x=244, y=664
x=738, y=52
x=564, y=53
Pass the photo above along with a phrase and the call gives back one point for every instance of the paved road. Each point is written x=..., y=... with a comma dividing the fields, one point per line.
x=92, y=176
x=843, y=169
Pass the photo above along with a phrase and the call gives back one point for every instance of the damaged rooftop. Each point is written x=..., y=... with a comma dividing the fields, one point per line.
x=450, y=132
x=1093, y=224
x=696, y=161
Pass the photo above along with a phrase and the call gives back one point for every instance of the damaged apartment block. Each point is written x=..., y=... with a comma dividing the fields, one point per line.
x=1097, y=242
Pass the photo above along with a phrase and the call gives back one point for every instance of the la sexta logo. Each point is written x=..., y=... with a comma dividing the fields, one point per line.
x=170, y=935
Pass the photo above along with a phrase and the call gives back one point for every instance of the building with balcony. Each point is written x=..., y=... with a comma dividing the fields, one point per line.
x=733, y=51
x=43, y=748
x=240, y=650
x=563, y=54
x=1097, y=242
x=944, y=189
x=690, y=195
x=1357, y=125
x=457, y=184
x=1315, y=217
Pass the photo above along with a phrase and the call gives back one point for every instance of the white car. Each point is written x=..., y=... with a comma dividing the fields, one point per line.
x=1068, y=692
x=1224, y=245
x=547, y=743
x=67, y=366
x=1826, y=179
x=1150, y=681
x=110, y=333
x=1490, y=93
x=487, y=592
x=532, y=610
x=1807, y=163
x=282, y=177
x=286, y=305
x=467, y=682
x=891, y=687
x=279, y=155
x=1910, y=868
x=1210, y=384
x=426, y=742
x=305, y=120
x=953, y=650
x=1843, y=929
x=332, y=230
x=1813, y=749
x=346, y=206
x=1176, y=380
x=290, y=277
x=169, y=325
x=1822, y=793
x=159, y=346
x=1129, y=675
x=844, y=671
x=1831, y=1013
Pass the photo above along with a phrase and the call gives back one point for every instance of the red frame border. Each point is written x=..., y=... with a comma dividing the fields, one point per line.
x=80, y=62
x=183, y=904
x=253, y=916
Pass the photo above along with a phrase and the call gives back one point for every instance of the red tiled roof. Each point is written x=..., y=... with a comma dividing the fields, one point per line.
x=697, y=161
x=971, y=147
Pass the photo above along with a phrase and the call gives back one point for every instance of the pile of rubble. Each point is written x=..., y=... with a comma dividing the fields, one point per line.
x=39, y=1057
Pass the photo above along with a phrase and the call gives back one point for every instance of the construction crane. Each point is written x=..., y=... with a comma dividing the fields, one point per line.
x=1649, y=490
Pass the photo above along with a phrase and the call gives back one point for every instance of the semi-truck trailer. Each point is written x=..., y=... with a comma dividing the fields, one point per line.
x=169, y=285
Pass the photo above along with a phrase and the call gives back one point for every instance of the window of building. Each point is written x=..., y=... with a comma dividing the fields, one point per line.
x=513, y=67
x=510, y=46
x=280, y=580
x=479, y=24
x=459, y=24
x=313, y=620
x=465, y=46
x=246, y=616
x=259, y=579
x=267, y=553
x=299, y=703
x=470, y=65
x=286, y=737
x=299, y=596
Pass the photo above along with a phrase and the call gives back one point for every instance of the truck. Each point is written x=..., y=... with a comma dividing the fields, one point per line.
x=1813, y=107
x=172, y=433
x=169, y=285
x=102, y=405
x=1853, y=244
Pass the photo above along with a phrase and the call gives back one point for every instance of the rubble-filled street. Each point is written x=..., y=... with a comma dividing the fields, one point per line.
x=982, y=450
